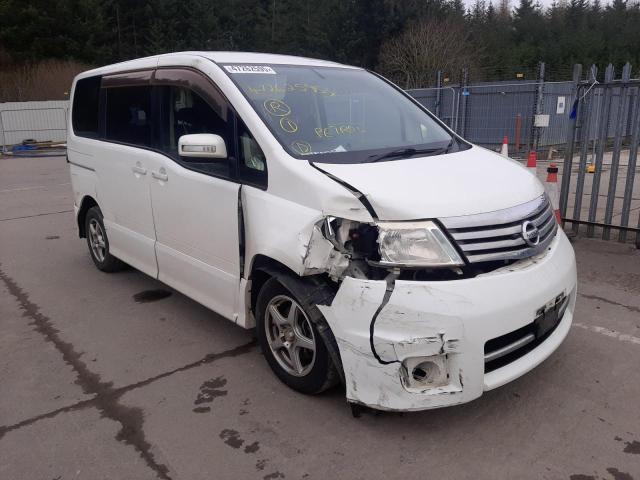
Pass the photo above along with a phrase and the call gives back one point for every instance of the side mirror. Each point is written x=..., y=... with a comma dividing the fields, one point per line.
x=202, y=145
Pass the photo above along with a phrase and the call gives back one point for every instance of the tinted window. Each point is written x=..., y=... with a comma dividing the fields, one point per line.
x=184, y=112
x=86, y=101
x=128, y=115
x=252, y=162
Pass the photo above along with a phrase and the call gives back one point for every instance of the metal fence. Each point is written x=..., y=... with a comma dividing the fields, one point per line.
x=38, y=121
x=600, y=193
x=487, y=113
x=532, y=115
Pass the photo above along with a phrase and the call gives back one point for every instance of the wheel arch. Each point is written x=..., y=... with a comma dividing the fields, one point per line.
x=311, y=291
x=87, y=202
x=263, y=268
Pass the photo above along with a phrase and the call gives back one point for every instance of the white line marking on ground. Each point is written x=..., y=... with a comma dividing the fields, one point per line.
x=623, y=337
x=33, y=188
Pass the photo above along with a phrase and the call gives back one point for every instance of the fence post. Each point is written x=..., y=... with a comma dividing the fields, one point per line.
x=464, y=93
x=518, y=132
x=571, y=136
x=631, y=171
x=438, y=92
x=617, y=146
x=585, y=138
x=4, y=140
x=601, y=140
x=538, y=104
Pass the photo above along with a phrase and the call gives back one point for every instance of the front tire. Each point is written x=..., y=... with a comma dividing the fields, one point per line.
x=290, y=341
x=98, y=243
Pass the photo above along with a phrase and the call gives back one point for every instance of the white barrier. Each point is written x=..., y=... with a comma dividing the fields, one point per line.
x=40, y=121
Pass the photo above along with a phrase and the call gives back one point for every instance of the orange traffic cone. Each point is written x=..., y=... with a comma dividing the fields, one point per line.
x=504, y=151
x=551, y=187
x=532, y=162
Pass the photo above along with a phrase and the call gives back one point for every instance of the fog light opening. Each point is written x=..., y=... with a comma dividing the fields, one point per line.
x=419, y=375
x=426, y=372
x=428, y=375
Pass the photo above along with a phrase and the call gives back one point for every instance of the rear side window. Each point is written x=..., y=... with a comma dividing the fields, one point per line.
x=128, y=115
x=86, y=102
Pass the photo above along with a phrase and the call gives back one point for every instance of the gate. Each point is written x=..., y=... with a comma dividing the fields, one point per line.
x=600, y=195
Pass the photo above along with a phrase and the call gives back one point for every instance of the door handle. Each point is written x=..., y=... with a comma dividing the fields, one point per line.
x=160, y=175
x=139, y=169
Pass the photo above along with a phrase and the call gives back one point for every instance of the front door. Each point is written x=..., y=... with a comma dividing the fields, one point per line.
x=195, y=200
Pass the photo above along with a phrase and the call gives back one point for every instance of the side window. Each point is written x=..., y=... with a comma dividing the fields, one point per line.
x=128, y=115
x=252, y=164
x=86, y=103
x=184, y=112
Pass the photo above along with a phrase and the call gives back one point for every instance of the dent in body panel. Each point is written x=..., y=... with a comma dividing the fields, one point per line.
x=288, y=231
x=405, y=329
x=382, y=385
x=321, y=256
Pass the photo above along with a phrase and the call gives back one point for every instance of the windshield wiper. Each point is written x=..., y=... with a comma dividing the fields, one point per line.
x=410, y=152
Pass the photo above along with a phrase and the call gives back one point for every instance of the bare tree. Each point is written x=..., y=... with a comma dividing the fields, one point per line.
x=504, y=8
x=412, y=58
x=45, y=80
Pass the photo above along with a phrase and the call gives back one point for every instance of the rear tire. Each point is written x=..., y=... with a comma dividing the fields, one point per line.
x=287, y=330
x=98, y=242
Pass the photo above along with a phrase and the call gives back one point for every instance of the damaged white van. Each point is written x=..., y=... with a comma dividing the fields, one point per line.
x=367, y=242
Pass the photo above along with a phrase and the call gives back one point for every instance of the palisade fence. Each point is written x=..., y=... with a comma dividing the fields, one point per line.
x=601, y=194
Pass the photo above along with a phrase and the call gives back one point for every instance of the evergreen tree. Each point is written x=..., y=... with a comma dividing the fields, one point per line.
x=506, y=38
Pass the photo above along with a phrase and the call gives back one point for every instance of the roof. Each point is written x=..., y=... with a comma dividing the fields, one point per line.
x=218, y=57
x=272, y=58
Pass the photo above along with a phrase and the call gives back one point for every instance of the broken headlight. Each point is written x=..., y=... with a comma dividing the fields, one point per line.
x=415, y=244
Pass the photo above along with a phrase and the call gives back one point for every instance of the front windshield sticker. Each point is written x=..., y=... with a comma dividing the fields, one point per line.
x=249, y=69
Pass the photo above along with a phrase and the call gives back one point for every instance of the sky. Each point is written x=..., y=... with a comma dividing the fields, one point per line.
x=544, y=3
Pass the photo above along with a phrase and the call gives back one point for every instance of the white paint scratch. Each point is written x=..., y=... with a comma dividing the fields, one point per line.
x=623, y=337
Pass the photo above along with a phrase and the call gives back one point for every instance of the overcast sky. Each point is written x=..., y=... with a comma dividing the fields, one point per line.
x=544, y=3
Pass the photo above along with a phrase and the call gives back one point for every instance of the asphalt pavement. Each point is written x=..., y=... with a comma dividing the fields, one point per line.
x=116, y=376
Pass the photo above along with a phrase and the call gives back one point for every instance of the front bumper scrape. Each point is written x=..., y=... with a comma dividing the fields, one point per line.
x=379, y=384
x=442, y=327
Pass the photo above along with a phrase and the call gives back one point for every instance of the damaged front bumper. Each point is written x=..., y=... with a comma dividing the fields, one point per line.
x=417, y=345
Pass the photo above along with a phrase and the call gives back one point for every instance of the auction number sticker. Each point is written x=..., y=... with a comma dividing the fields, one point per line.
x=249, y=69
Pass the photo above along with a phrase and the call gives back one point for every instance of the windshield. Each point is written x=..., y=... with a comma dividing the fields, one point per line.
x=339, y=115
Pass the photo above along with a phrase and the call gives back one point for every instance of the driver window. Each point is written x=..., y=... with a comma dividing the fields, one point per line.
x=184, y=112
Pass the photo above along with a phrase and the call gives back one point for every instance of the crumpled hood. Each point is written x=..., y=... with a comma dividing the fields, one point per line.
x=462, y=183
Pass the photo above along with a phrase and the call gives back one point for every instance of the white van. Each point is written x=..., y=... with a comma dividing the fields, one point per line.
x=367, y=242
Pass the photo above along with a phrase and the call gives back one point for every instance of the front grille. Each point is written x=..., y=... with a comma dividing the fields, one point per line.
x=499, y=235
